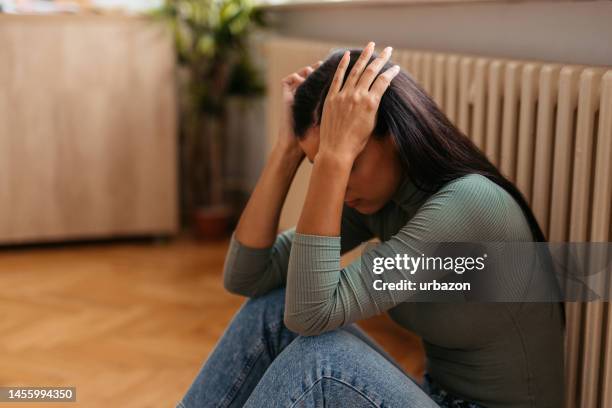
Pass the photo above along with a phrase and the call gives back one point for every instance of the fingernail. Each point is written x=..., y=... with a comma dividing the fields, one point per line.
x=396, y=68
x=372, y=44
x=388, y=50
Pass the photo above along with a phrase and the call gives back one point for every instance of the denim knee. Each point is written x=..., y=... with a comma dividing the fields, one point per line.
x=308, y=345
x=338, y=366
x=268, y=308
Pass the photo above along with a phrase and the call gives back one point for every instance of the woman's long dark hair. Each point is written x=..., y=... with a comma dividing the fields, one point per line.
x=432, y=150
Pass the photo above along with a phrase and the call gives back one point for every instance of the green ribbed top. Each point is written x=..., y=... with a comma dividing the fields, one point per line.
x=497, y=354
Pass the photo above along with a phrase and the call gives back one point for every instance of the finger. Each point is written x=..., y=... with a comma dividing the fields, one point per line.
x=290, y=78
x=339, y=75
x=307, y=70
x=373, y=69
x=383, y=81
x=304, y=72
x=293, y=79
x=315, y=66
x=359, y=66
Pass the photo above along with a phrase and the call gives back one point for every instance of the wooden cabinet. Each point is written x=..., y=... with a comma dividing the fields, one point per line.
x=88, y=145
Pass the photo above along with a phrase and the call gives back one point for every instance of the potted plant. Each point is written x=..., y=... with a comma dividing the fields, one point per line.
x=213, y=59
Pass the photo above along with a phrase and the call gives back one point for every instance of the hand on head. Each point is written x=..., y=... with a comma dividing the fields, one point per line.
x=289, y=85
x=349, y=111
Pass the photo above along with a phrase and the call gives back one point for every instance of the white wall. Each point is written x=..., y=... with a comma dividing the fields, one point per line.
x=570, y=31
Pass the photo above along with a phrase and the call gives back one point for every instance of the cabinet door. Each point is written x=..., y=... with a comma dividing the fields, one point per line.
x=87, y=128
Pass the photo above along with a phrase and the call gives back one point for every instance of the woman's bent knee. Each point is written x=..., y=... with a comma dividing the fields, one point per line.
x=337, y=366
x=274, y=298
x=267, y=308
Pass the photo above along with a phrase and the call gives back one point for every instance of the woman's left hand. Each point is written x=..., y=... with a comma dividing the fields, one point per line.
x=349, y=111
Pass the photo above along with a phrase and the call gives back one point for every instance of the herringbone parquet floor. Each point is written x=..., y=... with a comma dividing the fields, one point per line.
x=127, y=323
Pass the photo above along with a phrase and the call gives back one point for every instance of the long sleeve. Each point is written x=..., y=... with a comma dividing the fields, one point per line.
x=255, y=271
x=322, y=296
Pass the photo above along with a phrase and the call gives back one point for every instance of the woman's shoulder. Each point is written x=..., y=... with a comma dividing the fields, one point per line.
x=472, y=181
x=480, y=190
x=483, y=204
x=473, y=190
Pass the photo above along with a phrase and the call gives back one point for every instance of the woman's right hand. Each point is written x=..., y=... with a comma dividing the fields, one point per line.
x=286, y=139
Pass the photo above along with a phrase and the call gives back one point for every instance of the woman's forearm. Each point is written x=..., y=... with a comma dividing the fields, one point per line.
x=258, y=224
x=322, y=210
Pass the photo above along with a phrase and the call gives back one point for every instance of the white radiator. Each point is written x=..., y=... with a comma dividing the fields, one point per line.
x=548, y=127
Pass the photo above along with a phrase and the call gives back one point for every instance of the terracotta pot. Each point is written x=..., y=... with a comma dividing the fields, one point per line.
x=212, y=222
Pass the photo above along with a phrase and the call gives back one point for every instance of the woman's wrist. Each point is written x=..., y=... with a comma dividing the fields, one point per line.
x=289, y=157
x=329, y=179
x=340, y=161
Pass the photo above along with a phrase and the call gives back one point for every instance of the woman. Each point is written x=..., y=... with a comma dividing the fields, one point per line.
x=387, y=163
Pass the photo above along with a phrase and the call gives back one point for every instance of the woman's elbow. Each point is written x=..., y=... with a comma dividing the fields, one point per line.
x=298, y=326
x=305, y=324
x=236, y=287
x=245, y=287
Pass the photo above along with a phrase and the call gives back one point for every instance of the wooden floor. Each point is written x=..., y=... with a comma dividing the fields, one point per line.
x=127, y=324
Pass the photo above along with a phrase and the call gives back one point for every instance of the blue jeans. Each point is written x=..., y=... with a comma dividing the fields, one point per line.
x=259, y=363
